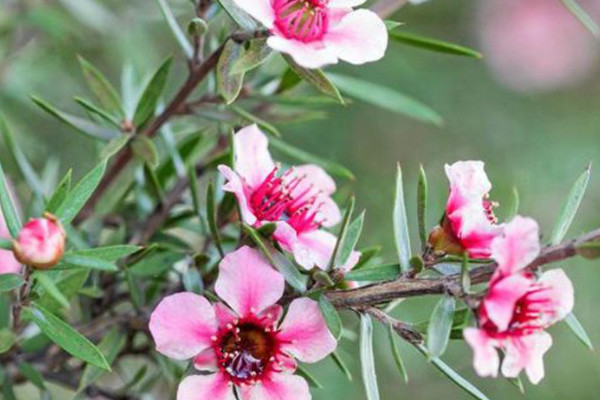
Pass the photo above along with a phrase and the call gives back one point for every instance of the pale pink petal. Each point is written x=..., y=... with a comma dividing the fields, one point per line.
x=345, y=3
x=247, y=283
x=353, y=259
x=308, y=55
x=285, y=235
x=235, y=185
x=502, y=298
x=468, y=182
x=278, y=387
x=261, y=10
x=253, y=161
x=485, y=356
x=205, y=387
x=182, y=325
x=314, y=249
x=271, y=315
x=474, y=230
x=360, y=37
x=328, y=213
x=561, y=294
x=304, y=333
x=315, y=177
x=225, y=315
x=526, y=352
x=207, y=360
x=517, y=246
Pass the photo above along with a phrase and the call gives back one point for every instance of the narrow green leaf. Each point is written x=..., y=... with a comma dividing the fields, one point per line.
x=583, y=17
x=316, y=78
x=336, y=259
x=81, y=261
x=87, y=127
x=5, y=244
x=144, y=148
x=396, y=353
x=465, y=274
x=301, y=155
x=114, y=146
x=579, y=331
x=433, y=44
x=367, y=255
x=331, y=316
x=570, y=207
x=229, y=83
x=65, y=336
x=50, y=287
x=32, y=375
x=341, y=365
x=68, y=283
x=80, y=194
x=401, y=233
x=386, y=98
x=238, y=15
x=422, y=198
x=108, y=253
x=111, y=345
x=7, y=340
x=266, y=126
x=367, y=359
x=60, y=193
x=351, y=238
x=149, y=100
x=440, y=326
x=378, y=273
x=516, y=382
x=9, y=211
x=513, y=210
x=211, y=215
x=98, y=112
x=10, y=282
x=391, y=25
x=101, y=87
x=255, y=55
x=310, y=378
x=180, y=36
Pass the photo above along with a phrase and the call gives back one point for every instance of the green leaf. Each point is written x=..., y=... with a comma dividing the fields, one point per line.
x=114, y=146
x=98, y=112
x=331, y=316
x=80, y=194
x=101, y=87
x=385, y=272
x=9, y=211
x=391, y=25
x=401, y=233
x=341, y=365
x=211, y=216
x=5, y=244
x=583, y=17
x=579, y=331
x=60, y=193
x=386, y=98
x=266, y=126
x=149, y=100
x=87, y=127
x=7, y=340
x=351, y=239
x=301, y=155
x=316, y=78
x=111, y=345
x=108, y=253
x=513, y=210
x=32, y=375
x=255, y=54
x=50, y=287
x=10, y=282
x=69, y=283
x=229, y=83
x=422, y=196
x=440, y=326
x=144, y=148
x=367, y=359
x=396, y=353
x=175, y=28
x=310, y=378
x=80, y=261
x=570, y=207
x=433, y=44
x=238, y=15
x=367, y=255
x=65, y=336
x=336, y=259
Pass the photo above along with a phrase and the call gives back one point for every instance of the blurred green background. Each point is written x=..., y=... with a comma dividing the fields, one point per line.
x=538, y=142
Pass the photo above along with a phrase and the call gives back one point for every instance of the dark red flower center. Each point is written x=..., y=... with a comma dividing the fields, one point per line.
x=488, y=207
x=304, y=20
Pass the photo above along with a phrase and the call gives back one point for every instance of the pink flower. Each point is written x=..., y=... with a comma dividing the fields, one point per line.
x=469, y=223
x=41, y=243
x=298, y=200
x=8, y=262
x=319, y=32
x=242, y=342
x=518, y=308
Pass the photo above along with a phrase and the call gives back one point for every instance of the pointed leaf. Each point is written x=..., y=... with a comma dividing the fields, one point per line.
x=396, y=353
x=433, y=44
x=10, y=282
x=351, y=238
x=378, y=273
x=331, y=316
x=341, y=365
x=440, y=326
x=316, y=78
x=256, y=54
x=50, y=287
x=98, y=112
x=108, y=253
x=76, y=260
x=267, y=127
x=238, y=15
x=9, y=211
x=310, y=378
x=401, y=233
x=111, y=345
x=229, y=83
x=144, y=148
x=60, y=194
x=367, y=359
x=422, y=198
x=336, y=260
x=180, y=36
x=579, y=331
x=582, y=16
x=570, y=207
x=211, y=215
x=148, y=102
x=101, y=87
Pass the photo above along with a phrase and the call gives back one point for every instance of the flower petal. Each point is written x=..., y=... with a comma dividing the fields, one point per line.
x=304, y=333
x=236, y=186
x=345, y=3
x=247, y=283
x=308, y=55
x=182, y=325
x=261, y=10
x=485, y=356
x=468, y=181
x=313, y=248
x=253, y=161
x=206, y=361
x=526, y=352
x=517, y=246
x=205, y=387
x=278, y=387
x=225, y=315
x=502, y=298
x=561, y=294
x=360, y=37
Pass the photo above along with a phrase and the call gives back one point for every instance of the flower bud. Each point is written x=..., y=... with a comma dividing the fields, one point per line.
x=41, y=243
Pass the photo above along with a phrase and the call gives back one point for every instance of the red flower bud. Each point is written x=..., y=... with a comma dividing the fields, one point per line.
x=41, y=243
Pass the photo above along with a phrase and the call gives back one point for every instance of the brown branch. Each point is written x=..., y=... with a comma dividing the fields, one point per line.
x=404, y=330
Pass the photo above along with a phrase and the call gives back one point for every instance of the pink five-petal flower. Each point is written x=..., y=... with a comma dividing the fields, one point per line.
x=297, y=200
x=319, y=32
x=8, y=262
x=242, y=341
x=40, y=243
x=517, y=245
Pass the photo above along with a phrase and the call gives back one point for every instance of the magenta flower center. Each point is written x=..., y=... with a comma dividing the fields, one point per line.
x=488, y=207
x=304, y=20
x=287, y=198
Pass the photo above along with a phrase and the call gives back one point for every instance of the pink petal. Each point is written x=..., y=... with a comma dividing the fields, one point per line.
x=278, y=387
x=561, y=294
x=308, y=55
x=261, y=10
x=182, y=325
x=315, y=177
x=485, y=356
x=285, y=235
x=526, y=352
x=247, y=282
x=518, y=246
x=503, y=296
x=236, y=186
x=360, y=37
x=225, y=315
x=304, y=333
x=205, y=387
x=8, y=262
x=314, y=248
x=253, y=161
x=468, y=181
x=206, y=361
x=271, y=315
x=328, y=212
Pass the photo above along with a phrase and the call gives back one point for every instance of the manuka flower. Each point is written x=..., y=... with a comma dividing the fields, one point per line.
x=319, y=32
x=297, y=200
x=41, y=243
x=518, y=307
x=242, y=342
x=469, y=224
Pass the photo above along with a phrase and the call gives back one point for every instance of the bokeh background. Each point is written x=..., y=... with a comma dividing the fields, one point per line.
x=529, y=109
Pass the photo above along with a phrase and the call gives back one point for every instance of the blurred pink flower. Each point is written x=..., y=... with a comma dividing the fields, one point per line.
x=242, y=342
x=518, y=308
x=534, y=45
x=298, y=200
x=319, y=32
x=8, y=262
x=41, y=243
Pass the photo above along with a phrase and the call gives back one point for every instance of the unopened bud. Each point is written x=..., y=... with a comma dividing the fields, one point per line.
x=197, y=27
x=41, y=243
